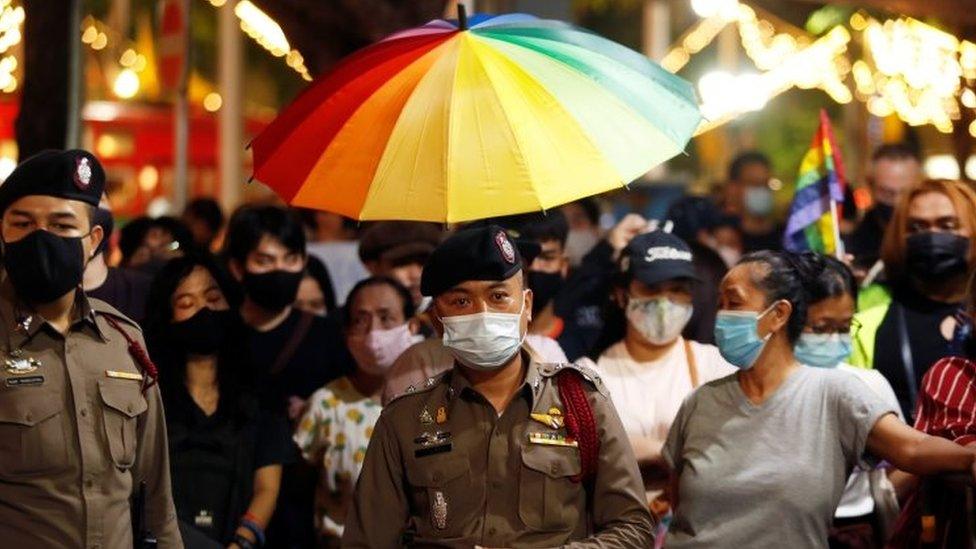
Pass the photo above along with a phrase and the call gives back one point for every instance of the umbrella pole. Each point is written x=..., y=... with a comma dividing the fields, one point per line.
x=462, y=17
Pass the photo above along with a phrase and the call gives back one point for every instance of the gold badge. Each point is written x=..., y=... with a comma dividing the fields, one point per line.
x=441, y=415
x=551, y=421
x=18, y=365
x=438, y=511
x=552, y=439
x=123, y=375
x=425, y=417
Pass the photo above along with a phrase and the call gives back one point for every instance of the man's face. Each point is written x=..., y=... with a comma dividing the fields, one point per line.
x=58, y=216
x=269, y=255
x=487, y=296
x=755, y=174
x=551, y=260
x=157, y=245
x=407, y=273
x=892, y=177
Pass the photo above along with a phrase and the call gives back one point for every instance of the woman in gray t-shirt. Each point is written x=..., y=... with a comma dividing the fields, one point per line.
x=760, y=458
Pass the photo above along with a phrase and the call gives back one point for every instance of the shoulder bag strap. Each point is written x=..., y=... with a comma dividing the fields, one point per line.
x=906, y=353
x=692, y=365
x=297, y=336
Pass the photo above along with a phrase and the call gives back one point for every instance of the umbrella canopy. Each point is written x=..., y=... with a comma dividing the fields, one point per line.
x=450, y=122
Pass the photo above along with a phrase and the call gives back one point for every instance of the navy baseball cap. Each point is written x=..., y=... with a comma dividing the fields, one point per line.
x=656, y=257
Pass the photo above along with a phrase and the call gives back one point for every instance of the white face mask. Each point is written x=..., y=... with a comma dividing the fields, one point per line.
x=376, y=352
x=578, y=244
x=484, y=341
x=659, y=320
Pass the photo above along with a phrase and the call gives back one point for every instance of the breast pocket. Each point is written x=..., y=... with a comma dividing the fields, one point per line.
x=124, y=403
x=32, y=433
x=443, y=495
x=549, y=499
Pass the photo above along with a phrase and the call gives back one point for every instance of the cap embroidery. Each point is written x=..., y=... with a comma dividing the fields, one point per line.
x=666, y=252
x=83, y=173
x=505, y=247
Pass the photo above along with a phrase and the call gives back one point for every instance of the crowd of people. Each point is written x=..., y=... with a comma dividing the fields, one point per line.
x=528, y=380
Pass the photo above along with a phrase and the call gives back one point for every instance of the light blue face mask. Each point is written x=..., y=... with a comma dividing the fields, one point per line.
x=737, y=336
x=822, y=350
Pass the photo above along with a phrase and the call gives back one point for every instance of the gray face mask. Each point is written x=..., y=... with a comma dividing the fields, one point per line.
x=578, y=244
x=759, y=201
x=484, y=341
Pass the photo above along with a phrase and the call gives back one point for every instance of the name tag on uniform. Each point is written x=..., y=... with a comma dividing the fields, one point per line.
x=25, y=380
x=123, y=375
x=552, y=439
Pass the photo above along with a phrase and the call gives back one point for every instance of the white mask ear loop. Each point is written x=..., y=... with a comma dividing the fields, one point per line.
x=762, y=314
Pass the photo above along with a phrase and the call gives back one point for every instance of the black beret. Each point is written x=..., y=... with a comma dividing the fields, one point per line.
x=482, y=253
x=74, y=175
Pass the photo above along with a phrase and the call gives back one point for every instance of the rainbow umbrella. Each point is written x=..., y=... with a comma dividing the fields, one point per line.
x=462, y=120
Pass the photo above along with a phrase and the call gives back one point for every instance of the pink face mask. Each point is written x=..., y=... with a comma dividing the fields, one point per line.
x=376, y=351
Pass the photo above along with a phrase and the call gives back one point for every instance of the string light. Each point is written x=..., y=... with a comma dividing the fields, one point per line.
x=11, y=19
x=266, y=32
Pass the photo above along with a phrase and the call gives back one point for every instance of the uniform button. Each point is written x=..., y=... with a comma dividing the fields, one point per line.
x=554, y=468
x=89, y=483
x=129, y=408
x=436, y=477
x=84, y=412
x=492, y=531
x=29, y=417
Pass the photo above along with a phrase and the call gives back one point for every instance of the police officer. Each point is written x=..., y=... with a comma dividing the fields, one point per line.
x=81, y=423
x=500, y=451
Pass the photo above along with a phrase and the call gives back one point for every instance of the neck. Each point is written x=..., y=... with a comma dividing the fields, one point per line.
x=201, y=372
x=756, y=225
x=544, y=323
x=498, y=386
x=773, y=366
x=367, y=384
x=642, y=350
x=58, y=312
x=951, y=291
x=95, y=273
x=261, y=319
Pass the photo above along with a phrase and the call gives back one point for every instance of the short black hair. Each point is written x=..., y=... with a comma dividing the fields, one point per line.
x=320, y=273
x=742, y=160
x=591, y=209
x=406, y=299
x=691, y=214
x=896, y=151
x=177, y=229
x=207, y=210
x=131, y=236
x=789, y=277
x=835, y=280
x=250, y=224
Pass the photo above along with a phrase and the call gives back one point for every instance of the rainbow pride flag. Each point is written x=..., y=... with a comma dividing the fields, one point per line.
x=813, y=223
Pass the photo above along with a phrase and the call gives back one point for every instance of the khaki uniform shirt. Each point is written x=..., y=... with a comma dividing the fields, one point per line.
x=443, y=469
x=77, y=434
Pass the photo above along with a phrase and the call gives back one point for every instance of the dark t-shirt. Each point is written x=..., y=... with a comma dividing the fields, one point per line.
x=773, y=240
x=315, y=362
x=923, y=320
x=126, y=290
x=213, y=458
x=580, y=303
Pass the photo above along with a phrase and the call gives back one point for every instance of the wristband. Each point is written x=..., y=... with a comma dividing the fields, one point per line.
x=253, y=527
x=243, y=542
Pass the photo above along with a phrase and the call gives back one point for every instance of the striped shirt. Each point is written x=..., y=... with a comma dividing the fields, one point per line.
x=947, y=403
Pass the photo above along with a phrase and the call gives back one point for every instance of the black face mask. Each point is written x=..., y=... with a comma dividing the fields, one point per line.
x=202, y=333
x=936, y=256
x=43, y=266
x=883, y=213
x=103, y=218
x=544, y=288
x=273, y=290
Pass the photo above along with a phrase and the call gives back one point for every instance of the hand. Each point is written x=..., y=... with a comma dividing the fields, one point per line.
x=623, y=232
x=296, y=407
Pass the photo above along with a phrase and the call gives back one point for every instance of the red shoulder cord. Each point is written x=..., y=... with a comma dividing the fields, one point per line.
x=138, y=353
x=580, y=423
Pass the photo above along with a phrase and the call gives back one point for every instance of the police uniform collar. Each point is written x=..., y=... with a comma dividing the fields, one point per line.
x=21, y=321
x=531, y=384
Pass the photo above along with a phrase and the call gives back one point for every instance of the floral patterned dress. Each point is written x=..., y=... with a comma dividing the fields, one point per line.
x=334, y=434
